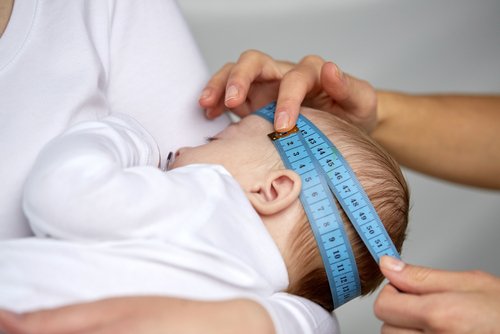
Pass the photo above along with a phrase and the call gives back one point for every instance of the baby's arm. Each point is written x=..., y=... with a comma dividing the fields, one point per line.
x=96, y=181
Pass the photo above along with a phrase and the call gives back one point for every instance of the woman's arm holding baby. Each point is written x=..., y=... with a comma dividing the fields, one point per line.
x=277, y=314
x=144, y=315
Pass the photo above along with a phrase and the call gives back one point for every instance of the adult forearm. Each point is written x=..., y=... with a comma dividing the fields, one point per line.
x=145, y=315
x=233, y=316
x=454, y=137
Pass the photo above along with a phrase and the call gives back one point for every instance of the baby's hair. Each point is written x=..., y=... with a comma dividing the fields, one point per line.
x=386, y=187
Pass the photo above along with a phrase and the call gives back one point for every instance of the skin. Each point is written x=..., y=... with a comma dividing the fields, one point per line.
x=454, y=137
x=424, y=300
x=244, y=149
x=5, y=13
x=239, y=148
x=148, y=314
x=144, y=315
x=316, y=83
x=446, y=127
x=258, y=79
x=247, y=153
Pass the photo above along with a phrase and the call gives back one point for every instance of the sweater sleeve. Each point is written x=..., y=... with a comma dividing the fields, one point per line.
x=96, y=181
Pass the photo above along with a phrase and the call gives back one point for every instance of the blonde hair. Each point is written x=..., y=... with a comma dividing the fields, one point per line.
x=386, y=188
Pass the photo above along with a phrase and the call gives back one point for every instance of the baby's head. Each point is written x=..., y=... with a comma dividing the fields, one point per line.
x=245, y=150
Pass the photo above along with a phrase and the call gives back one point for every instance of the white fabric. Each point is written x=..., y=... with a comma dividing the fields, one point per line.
x=111, y=223
x=96, y=194
x=64, y=61
x=293, y=314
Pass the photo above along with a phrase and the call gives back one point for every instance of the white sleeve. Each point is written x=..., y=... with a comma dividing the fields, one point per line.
x=296, y=315
x=157, y=73
x=97, y=181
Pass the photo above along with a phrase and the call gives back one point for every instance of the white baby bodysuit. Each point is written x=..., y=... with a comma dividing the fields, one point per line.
x=110, y=223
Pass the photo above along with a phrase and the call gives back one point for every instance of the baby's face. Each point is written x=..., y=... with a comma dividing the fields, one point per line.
x=240, y=148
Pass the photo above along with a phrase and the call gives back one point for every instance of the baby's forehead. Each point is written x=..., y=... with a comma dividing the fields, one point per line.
x=256, y=124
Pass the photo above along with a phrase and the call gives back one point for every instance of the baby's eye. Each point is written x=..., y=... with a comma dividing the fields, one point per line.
x=210, y=139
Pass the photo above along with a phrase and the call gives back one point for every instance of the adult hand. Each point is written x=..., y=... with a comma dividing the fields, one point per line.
x=144, y=315
x=424, y=300
x=256, y=79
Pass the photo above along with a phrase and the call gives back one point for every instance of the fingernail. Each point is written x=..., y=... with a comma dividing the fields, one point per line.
x=231, y=93
x=282, y=121
x=338, y=72
x=391, y=263
x=205, y=93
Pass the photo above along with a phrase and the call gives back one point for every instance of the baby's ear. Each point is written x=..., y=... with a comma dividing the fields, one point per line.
x=277, y=191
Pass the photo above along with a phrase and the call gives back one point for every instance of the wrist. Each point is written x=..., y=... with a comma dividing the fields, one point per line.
x=390, y=124
x=386, y=105
x=391, y=108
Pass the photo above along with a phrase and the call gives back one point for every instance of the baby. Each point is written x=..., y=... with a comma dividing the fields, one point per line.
x=224, y=220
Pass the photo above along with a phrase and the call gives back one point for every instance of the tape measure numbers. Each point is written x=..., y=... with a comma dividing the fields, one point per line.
x=349, y=192
x=324, y=171
x=324, y=218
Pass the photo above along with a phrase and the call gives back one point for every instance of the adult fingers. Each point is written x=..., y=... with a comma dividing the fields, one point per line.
x=295, y=85
x=212, y=96
x=252, y=65
x=229, y=87
x=421, y=280
x=400, y=309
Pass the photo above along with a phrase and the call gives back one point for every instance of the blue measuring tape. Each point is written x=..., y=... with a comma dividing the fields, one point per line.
x=323, y=170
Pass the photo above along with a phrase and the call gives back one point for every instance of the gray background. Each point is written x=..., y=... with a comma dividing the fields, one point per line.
x=414, y=46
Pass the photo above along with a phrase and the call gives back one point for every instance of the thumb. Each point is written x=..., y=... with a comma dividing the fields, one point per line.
x=421, y=280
